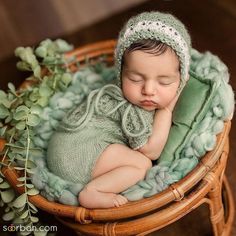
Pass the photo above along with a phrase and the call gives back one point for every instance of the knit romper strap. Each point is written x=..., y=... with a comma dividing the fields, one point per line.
x=92, y=107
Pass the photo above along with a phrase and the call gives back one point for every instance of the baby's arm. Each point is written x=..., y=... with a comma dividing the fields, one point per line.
x=161, y=127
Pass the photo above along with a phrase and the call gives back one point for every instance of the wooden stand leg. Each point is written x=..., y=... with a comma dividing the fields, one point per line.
x=229, y=207
x=216, y=209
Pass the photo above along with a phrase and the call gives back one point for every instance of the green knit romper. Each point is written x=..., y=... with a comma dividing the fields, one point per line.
x=105, y=118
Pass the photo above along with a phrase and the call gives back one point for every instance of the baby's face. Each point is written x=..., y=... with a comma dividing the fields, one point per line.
x=150, y=81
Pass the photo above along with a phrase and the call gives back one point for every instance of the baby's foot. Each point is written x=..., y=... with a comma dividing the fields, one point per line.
x=91, y=198
x=119, y=200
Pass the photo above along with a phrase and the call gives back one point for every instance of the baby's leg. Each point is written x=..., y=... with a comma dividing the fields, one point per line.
x=118, y=168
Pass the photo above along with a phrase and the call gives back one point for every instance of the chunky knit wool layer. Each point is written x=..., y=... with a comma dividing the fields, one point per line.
x=106, y=117
x=157, y=26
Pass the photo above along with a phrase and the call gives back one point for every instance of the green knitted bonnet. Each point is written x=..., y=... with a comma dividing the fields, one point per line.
x=160, y=26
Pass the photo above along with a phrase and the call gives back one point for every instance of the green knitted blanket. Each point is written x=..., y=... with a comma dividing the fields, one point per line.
x=205, y=103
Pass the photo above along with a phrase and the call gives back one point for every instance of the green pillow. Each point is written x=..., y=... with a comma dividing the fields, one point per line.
x=190, y=109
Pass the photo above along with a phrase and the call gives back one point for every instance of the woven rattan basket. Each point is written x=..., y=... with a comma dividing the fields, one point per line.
x=205, y=184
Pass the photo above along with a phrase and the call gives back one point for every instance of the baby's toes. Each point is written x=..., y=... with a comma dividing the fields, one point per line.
x=116, y=202
x=121, y=199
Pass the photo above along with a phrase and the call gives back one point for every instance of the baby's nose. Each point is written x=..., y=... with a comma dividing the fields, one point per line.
x=148, y=89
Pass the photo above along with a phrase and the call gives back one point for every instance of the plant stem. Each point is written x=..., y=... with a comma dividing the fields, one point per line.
x=10, y=140
x=25, y=172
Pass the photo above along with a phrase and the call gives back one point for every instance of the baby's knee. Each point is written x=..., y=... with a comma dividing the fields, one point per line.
x=146, y=163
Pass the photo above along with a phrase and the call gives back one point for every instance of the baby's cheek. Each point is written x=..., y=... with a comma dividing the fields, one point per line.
x=166, y=100
x=127, y=92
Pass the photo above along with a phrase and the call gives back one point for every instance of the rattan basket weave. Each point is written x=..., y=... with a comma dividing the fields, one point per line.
x=205, y=184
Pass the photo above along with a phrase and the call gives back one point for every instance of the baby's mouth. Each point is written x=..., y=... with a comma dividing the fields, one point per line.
x=148, y=103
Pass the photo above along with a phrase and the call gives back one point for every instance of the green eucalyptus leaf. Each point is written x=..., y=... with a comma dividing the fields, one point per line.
x=28, y=103
x=20, y=115
x=11, y=156
x=34, y=219
x=33, y=120
x=19, y=157
x=20, y=201
x=45, y=91
x=29, y=171
x=29, y=185
x=3, y=131
x=17, y=220
x=11, y=131
x=33, y=191
x=23, y=108
x=12, y=97
x=24, y=214
x=41, y=51
x=19, y=51
x=36, y=109
x=23, y=66
x=8, y=216
x=20, y=185
x=21, y=209
x=35, y=151
x=22, y=142
x=20, y=125
x=19, y=168
x=7, y=209
x=62, y=86
x=34, y=96
x=2, y=203
x=66, y=78
x=37, y=71
x=26, y=54
x=49, y=60
x=7, y=195
x=2, y=94
x=63, y=45
x=3, y=112
x=11, y=87
x=43, y=101
x=5, y=102
x=4, y=185
x=31, y=164
x=33, y=207
x=9, y=118
x=1, y=180
x=21, y=179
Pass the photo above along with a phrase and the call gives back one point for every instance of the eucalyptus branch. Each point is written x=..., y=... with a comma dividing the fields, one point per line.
x=20, y=110
x=25, y=171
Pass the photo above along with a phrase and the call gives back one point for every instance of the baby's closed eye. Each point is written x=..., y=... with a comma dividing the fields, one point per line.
x=135, y=78
x=167, y=81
